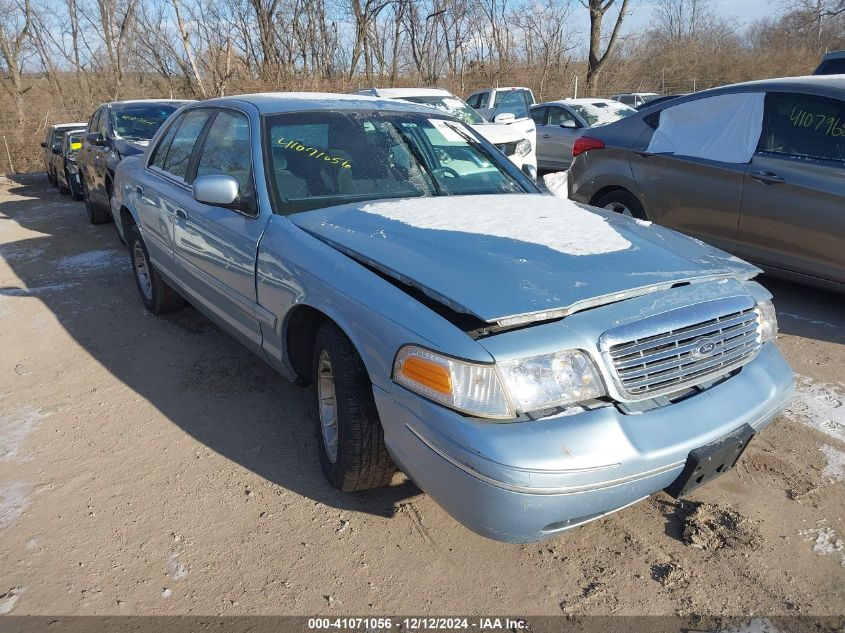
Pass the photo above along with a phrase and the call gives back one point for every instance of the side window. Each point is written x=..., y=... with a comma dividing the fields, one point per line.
x=483, y=99
x=94, y=123
x=182, y=146
x=56, y=139
x=628, y=100
x=160, y=151
x=227, y=149
x=472, y=102
x=803, y=125
x=539, y=115
x=560, y=116
x=102, y=123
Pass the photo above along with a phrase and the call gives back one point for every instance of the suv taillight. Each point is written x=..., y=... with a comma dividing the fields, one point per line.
x=585, y=144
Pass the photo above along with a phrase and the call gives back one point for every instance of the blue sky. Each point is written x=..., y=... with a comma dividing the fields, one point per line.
x=745, y=11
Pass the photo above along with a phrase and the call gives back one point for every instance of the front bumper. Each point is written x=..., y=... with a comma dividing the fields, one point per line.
x=527, y=481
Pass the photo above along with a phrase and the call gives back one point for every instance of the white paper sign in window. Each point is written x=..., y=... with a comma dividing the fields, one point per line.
x=724, y=128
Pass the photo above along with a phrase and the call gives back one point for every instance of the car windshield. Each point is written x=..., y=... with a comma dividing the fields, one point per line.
x=601, y=112
x=450, y=105
x=649, y=97
x=140, y=122
x=321, y=159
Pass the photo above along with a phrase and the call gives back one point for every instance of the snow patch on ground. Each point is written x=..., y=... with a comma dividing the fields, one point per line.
x=20, y=252
x=91, y=260
x=35, y=290
x=835, y=468
x=820, y=406
x=546, y=220
x=15, y=427
x=177, y=569
x=755, y=625
x=8, y=600
x=556, y=183
x=13, y=502
x=824, y=540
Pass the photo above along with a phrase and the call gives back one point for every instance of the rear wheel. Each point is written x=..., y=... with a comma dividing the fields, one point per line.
x=353, y=455
x=157, y=295
x=94, y=213
x=623, y=202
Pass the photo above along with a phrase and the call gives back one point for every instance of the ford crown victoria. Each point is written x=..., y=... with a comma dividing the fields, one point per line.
x=529, y=362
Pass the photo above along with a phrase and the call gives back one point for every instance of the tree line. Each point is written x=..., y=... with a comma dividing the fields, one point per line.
x=60, y=58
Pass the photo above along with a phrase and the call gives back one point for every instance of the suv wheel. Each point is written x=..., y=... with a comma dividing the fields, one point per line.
x=157, y=295
x=623, y=202
x=353, y=455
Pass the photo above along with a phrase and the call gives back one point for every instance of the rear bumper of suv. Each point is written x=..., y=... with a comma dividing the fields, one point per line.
x=528, y=481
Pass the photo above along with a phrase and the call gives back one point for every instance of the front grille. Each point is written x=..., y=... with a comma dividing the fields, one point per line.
x=682, y=348
x=508, y=149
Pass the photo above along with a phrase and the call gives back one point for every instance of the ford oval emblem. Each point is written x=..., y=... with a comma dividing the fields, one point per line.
x=705, y=347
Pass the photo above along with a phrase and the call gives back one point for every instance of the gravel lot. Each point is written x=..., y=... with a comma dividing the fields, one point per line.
x=152, y=466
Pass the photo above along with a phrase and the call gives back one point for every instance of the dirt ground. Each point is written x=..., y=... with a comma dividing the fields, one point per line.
x=152, y=466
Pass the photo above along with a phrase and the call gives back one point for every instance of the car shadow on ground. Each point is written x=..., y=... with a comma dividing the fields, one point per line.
x=807, y=311
x=193, y=373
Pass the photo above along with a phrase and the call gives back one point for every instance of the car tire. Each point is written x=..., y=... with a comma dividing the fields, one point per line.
x=157, y=295
x=353, y=455
x=95, y=214
x=623, y=202
x=62, y=189
x=75, y=193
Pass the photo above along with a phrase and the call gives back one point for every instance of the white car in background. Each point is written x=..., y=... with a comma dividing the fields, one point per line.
x=492, y=103
x=518, y=143
x=634, y=99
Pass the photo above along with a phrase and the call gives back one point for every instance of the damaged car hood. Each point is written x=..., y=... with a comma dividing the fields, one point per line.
x=516, y=258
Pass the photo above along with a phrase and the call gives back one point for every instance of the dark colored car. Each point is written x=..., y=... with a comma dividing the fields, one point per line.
x=657, y=100
x=756, y=169
x=64, y=163
x=53, y=141
x=116, y=130
x=832, y=64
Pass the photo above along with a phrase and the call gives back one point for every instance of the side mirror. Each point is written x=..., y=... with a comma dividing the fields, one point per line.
x=96, y=138
x=217, y=190
x=569, y=124
x=530, y=171
x=44, y=144
x=504, y=117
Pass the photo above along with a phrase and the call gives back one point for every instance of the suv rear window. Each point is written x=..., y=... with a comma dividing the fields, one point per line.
x=804, y=126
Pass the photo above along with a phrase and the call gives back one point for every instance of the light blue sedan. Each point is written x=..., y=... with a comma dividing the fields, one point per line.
x=531, y=363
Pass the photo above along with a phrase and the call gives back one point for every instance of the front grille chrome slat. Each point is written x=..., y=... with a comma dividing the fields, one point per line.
x=682, y=348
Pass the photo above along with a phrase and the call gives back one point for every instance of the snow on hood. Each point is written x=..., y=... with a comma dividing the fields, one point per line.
x=558, y=224
x=497, y=257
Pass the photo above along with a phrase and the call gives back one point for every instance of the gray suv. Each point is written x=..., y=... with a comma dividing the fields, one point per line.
x=756, y=169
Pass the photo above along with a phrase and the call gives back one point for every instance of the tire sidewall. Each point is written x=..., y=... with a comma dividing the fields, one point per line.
x=332, y=470
x=628, y=199
x=133, y=237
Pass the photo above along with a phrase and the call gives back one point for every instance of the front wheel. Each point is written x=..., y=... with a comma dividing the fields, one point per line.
x=157, y=295
x=623, y=202
x=353, y=455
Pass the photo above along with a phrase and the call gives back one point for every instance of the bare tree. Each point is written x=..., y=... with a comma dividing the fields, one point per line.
x=596, y=59
x=15, y=23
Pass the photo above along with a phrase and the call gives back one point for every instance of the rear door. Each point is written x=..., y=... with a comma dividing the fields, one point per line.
x=163, y=192
x=217, y=246
x=793, y=203
x=696, y=196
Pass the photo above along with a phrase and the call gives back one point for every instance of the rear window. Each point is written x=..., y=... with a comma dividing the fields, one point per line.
x=831, y=67
x=804, y=126
x=140, y=122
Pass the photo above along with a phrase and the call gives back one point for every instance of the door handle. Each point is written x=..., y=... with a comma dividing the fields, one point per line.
x=767, y=177
x=181, y=213
x=644, y=154
x=547, y=136
x=139, y=190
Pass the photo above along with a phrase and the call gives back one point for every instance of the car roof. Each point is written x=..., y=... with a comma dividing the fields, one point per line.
x=131, y=102
x=58, y=126
x=587, y=101
x=277, y=102
x=834, y=55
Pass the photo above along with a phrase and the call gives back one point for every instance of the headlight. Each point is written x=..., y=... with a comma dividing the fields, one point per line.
x=499, y=391
x=551, y=380
x=461, y=385
x=523, y=148
x=768, y=320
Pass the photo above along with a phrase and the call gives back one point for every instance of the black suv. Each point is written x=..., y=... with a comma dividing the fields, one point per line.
x=832, y=64
x=116, y=130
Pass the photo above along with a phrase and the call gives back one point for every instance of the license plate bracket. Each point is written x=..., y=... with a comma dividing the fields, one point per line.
x=711, y=460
